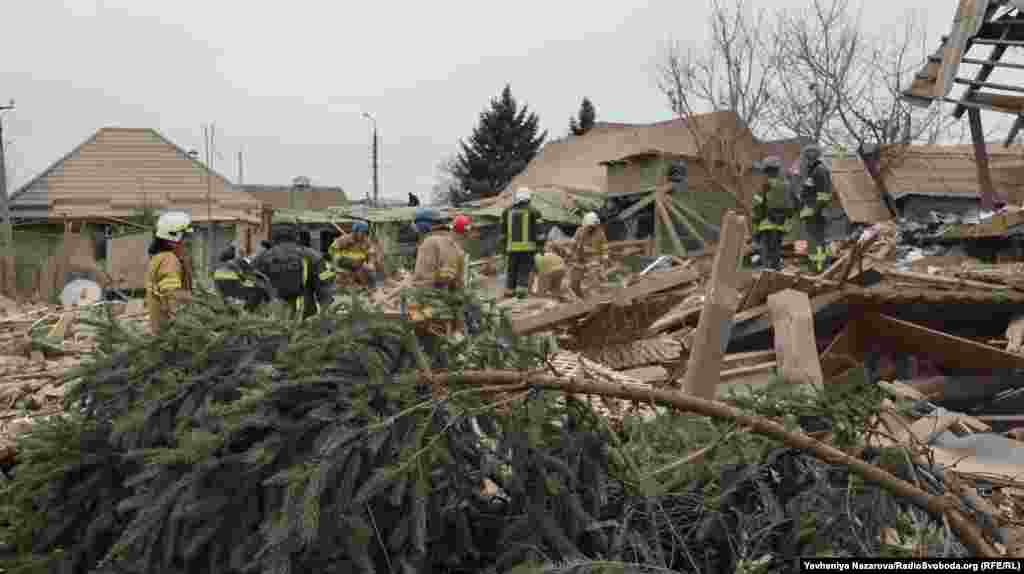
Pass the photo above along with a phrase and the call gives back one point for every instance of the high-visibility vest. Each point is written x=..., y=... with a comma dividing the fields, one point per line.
x=519, y=233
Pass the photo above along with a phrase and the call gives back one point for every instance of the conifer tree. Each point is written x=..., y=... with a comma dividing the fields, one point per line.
x=503, y=143
x=585, y=120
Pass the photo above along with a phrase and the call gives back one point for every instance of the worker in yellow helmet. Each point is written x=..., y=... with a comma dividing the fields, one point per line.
x=169, y=276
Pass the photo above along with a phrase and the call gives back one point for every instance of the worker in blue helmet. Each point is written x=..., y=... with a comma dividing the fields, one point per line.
x=424, y=220
x=355, y=258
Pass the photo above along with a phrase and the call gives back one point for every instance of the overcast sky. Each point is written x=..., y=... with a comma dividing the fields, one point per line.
x=286, y=82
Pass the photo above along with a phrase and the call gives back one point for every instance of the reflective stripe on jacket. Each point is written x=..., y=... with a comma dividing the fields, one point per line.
x=520, y=227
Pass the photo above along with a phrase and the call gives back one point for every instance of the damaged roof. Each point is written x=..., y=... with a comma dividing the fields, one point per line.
x=947, y=171
x=555, y=204
x=574, y=162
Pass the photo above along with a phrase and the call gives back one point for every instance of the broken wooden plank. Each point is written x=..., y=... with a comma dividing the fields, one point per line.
x=876, y=330
x=572, y=311
x=941, y=280
x=795, y=344
x=1015, y=336
x=729, y=376
x=985, y=188
x=723, y=298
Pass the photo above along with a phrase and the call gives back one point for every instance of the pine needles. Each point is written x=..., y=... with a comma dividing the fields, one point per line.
x=239, y=443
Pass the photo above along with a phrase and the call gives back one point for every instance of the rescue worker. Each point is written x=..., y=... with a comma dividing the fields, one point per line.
x=550, y=273
x=169, y=276
x=771, y=209
x=440, y=260
x=520, y=225
x=463, y=227
x=440, y=264
x=236, y=280
x=355, y=257
x=815, y=196
x=589, y=252
x=298, y=274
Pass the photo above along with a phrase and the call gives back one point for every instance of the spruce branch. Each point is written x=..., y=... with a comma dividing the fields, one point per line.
x=966, y=530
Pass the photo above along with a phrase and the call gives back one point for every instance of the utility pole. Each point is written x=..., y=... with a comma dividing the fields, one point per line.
x=240, y=180
x=376, y=177
x=208, y=132
x=5, y=210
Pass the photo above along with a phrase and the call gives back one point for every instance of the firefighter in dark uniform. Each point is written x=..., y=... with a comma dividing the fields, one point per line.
x=815, y=196
x=771, y=210
x=522, y=239
x=299, y=275
x=236, y=280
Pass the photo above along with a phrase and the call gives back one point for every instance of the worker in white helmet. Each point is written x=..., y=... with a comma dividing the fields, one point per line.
x=520, y=225
x=169, y=277
x=589, y=253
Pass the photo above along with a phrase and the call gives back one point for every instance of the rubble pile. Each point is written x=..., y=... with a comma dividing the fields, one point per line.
x=905, y=353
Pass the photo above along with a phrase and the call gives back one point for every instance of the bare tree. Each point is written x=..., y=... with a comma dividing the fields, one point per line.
x=736, y=72
x=441, y=193
x=841, y=84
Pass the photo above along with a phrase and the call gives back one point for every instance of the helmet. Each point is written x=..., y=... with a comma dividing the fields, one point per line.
x=522, y=195
x=590, y=219
x=361, y=227
x=425, y=215
x=227, y=254
x=772, y=165
x=173, y=226
x=811, y=152
x=462, y=224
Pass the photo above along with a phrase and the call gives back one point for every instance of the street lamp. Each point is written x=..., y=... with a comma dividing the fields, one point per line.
x=376, y=180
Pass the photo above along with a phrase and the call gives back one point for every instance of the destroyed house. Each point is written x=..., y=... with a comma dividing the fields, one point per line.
x=611, y=157
x=984, y=35
x=922, y=179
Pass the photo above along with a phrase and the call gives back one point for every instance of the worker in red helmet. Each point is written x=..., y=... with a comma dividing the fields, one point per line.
x=462, y=225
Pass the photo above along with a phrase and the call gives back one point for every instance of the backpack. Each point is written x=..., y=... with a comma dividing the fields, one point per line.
x=282, y=264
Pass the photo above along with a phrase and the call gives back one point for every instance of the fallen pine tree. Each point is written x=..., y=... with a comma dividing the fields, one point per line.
x=243, y=443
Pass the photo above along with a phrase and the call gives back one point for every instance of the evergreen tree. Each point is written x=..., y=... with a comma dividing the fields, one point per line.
x=501, y=146
x=586, y=117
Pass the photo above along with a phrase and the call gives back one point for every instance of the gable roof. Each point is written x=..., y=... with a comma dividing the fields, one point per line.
x=574, y=162
x=118, y=171
x=92, y=139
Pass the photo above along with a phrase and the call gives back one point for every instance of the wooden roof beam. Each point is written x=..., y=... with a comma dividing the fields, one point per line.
x=991, y=85
x=981, y=76
x=979, y=62
x=1017, y=124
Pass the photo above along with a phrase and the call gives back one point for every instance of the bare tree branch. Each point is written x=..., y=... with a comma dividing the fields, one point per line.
x=737, y=72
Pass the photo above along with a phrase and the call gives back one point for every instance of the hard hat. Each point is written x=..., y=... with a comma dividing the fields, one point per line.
x=462, y=224
x=173, y=226
x=522, y=195
x=361, y=227
x=590, y=219
x=811, y=151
